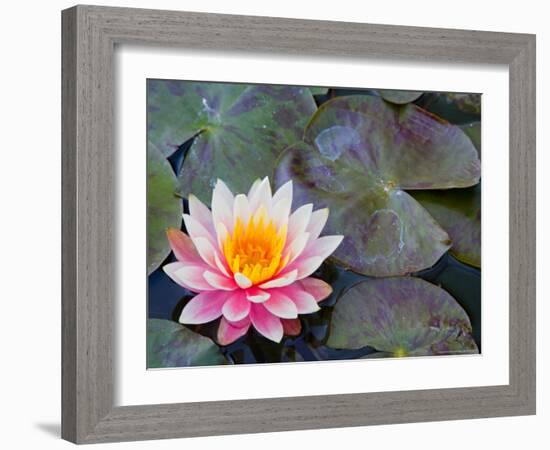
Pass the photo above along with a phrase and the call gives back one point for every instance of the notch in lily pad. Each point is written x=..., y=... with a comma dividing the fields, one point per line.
x=164, y=208
x=238, y=130
x=358, y=156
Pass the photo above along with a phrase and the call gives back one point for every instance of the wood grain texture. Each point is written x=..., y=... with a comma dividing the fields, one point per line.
x=89, y=203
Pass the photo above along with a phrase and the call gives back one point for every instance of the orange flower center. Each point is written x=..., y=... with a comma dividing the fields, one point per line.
x=255, y=249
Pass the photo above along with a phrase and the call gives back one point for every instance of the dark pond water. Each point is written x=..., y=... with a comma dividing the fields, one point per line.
x=166, y=299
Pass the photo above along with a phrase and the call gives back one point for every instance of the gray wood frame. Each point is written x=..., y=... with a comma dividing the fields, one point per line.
x=89, y=36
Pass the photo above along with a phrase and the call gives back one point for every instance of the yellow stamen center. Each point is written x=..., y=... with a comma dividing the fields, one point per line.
x=255, y=249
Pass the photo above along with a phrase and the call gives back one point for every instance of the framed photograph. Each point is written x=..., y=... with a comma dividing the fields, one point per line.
x=268, y=230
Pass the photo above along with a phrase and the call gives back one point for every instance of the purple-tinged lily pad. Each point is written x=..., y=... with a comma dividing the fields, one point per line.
x=164, y=208
x=239, y=130
x=399, y=97
x=403, y=316
x=358, y=156
x=458, y=211
x=170, y=344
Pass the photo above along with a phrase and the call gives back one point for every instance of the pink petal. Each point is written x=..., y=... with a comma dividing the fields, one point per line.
x=256, y=295
x=319, y=289
x=228, y=332
x=313, y=255
x=203, y=308
x=280, y=305
x=266, y=323
x=280, y=281
x=196, y=229
x=221, y=265
x=306, y=266
x=206, y=250
x=304, y=301
x=241, y=209
x=218, y=281
x=298, y=222
x=297, y=246
x=291, y=327
x=222, y=205
x=190, y=277
x=242, y=281
x=324, y=246
x=200, y=212
x=182, y=246
x=317, y=223
x=237, y=307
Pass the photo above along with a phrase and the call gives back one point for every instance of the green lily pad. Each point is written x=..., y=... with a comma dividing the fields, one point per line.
x=164, y=208
x=318, y=90
x=457, y=108
x=239, y=129
x=399, y=97
x=403, y=316
x=170, y=344
x=473, y=131
x=358, y=155
x=458, y=211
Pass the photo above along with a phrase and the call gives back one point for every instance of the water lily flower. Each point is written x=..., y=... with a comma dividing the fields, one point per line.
x=249, y=260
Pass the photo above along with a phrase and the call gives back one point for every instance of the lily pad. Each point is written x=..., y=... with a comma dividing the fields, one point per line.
x=164, y=208
x=399, y=97
x=318, y=90
x=457, y=108
x=239, y=129
x=458, y=211
x=403, y=316
x=170, y=344
x=473, y=131
x=358, y=155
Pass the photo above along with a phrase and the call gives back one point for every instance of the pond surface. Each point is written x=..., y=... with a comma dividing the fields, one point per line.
x=166, y=299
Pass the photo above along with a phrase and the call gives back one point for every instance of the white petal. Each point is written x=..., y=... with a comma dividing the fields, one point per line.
x=206, y=250
x=256, y=295
x=316, y=223
x=241, y=209
x=285, y=191
x=261, y=196
x=220, y=265
x=298, y=221
x=297, y=246
x=223, y=234
x=281, y=212
x=307, y=266
x=199, y=211
x=324, y=246
x=283, y=280
x=242, y=281
x=195, y=229
x=253, y=188
x=222, y=205
x=219, y=281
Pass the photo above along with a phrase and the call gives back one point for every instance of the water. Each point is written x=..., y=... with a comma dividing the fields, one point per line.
x=166, y=299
